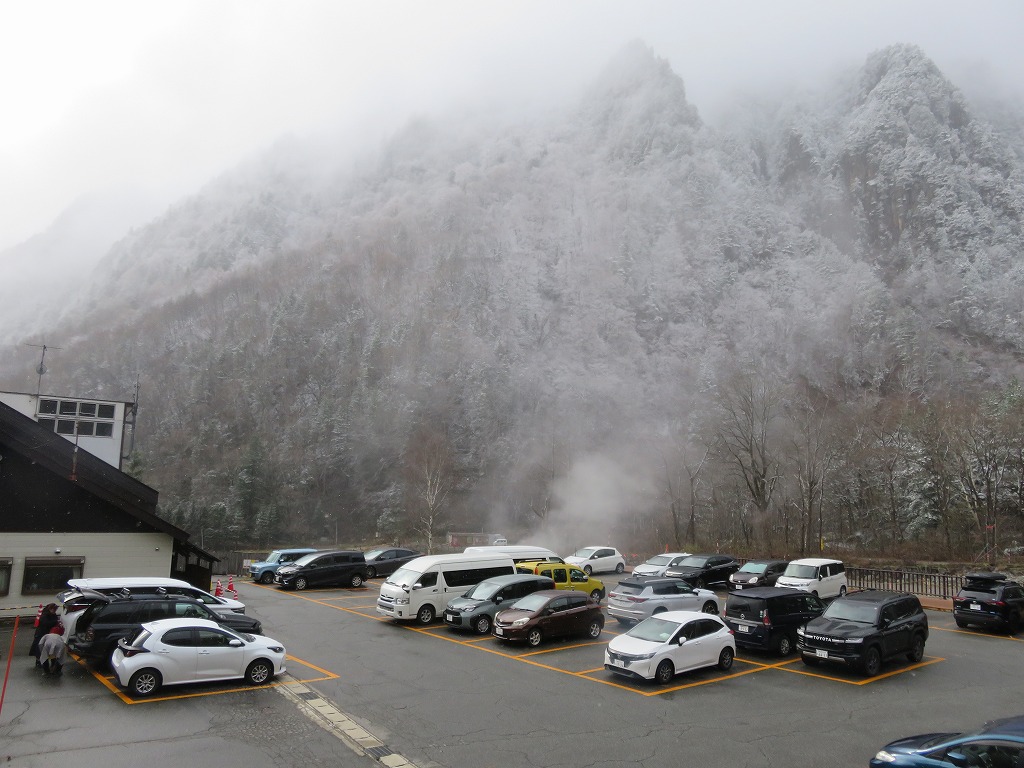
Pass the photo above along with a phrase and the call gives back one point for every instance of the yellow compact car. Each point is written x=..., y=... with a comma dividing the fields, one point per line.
x=565, y=576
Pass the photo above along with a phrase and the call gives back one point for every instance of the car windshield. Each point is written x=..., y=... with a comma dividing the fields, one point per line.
x=846, y=610
x=654, y=630
x=659, y=560
x=274, y=556
x=485, y=590
x=137, y=637
x=404, y=577
x=694, y=561
x=753, y=568
x=801, y=571
x=532, y=602
x=373, y=553
x=585, y=552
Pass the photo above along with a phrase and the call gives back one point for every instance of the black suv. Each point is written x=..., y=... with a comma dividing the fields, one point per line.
x=339, y=568
x=865, y=628
x=990, y=600
x=701, y=570
x=110, y=618
x=767, y=618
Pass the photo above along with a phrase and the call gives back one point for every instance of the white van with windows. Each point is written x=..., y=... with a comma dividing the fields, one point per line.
x=822, y=577
x=518, y=552
x=423, y=587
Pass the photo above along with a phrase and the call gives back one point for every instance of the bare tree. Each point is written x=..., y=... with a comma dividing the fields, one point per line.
x=430, y=476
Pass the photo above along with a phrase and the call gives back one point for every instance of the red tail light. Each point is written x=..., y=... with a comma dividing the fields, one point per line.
x=767, y=620
x=998, y=603
x=637, y=599
x=129, y=652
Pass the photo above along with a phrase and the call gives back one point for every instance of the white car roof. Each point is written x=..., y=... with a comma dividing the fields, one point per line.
x=815, y=561
x=161, y=625
x=681, y=617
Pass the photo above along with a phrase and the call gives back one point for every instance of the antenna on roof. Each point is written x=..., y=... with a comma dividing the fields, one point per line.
x=41, y=368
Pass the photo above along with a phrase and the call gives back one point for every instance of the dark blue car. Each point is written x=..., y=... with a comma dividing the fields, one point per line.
x=998, y=744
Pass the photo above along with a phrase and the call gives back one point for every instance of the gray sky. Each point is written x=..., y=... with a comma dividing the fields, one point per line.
x=165, y=94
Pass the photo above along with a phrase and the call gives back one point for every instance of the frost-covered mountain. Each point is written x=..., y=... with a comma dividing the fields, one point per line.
x=545, y=326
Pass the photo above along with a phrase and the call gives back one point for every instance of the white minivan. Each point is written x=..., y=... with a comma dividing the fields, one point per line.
x=518, y=552
x=423, y=587
x=820, y=576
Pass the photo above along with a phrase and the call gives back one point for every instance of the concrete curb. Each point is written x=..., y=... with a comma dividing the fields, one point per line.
x=350, y=733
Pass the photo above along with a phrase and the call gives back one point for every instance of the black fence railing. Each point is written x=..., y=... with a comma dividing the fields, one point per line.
x=929, y=584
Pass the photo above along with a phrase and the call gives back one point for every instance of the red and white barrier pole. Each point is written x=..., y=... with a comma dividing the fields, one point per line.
x=10, y=655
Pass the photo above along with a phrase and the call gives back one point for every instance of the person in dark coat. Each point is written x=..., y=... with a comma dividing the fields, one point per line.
x=47, y=621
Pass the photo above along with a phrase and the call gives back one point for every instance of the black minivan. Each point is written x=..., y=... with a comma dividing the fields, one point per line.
x=336, y=568
x=766, y=618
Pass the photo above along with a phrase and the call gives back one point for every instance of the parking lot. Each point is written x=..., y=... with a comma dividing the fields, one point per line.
x=456, y=699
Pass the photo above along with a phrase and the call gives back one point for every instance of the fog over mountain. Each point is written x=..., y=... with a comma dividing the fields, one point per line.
x=612, y=322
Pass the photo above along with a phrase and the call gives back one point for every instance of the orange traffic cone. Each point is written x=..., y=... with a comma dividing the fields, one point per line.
x=219, y=591
x=231, y=587
x=39, y=613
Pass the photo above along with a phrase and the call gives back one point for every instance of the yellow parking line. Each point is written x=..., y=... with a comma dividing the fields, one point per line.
x=109, y=682
x=670, y=689
x=976, y=633
x=865, y=681
x=553, y=649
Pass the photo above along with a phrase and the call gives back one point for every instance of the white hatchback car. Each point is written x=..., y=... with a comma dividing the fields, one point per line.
x=176, y=651
x=663, y=646
x=657, y=565
x=821, y=576
x=597, y=559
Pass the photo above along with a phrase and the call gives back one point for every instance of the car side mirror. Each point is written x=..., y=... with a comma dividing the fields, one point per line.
x=417, y=585
x=682, y=640
x=820, y=577
x=498, y=599
x=234, y=643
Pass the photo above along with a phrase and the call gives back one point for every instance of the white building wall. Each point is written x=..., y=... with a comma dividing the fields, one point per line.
x=107, y=448
x=106, y=554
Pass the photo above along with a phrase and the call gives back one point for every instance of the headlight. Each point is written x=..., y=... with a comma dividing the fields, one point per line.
x=645, y=656
x=800, y=631
x=520, y=622
x=885, y=757
x=753, y=580
x=854, y=640
x=401, y=601
x=276, y=648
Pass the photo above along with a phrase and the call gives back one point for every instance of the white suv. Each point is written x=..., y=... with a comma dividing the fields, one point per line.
x=818, y=575
x=597, y=559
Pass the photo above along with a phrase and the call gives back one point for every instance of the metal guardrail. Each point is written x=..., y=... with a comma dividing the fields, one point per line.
x=942, y=585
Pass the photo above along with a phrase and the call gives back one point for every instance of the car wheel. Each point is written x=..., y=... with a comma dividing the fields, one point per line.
x=356, y=580
x=266, y=578
x=814, y=592
x=300, y=583
x=482, y=625
x=665, y=672
x=425, y=614
x=371, y=572
x=961, y=623
x=725, y=658
x=588, y=570
x=872, y=662
x=656, y=611
x=259, y=672
x=1013, y=623
x=810, y=661
x=619, y=568
x=710, y=607
x=145, y=682
x=700, y=584
x=596, y=595
x=627, y=622
x=784, y=645
x=842, y=591
x=533, y=639
x=595, y=627
x=916, y=652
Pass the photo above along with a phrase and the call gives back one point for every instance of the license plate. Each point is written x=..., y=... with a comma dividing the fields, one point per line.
x=499, y=631
x=975, y=606
x=449, y=617
x=743, y=628
x=737, y=586
x=821, y=654
x=618, y=663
